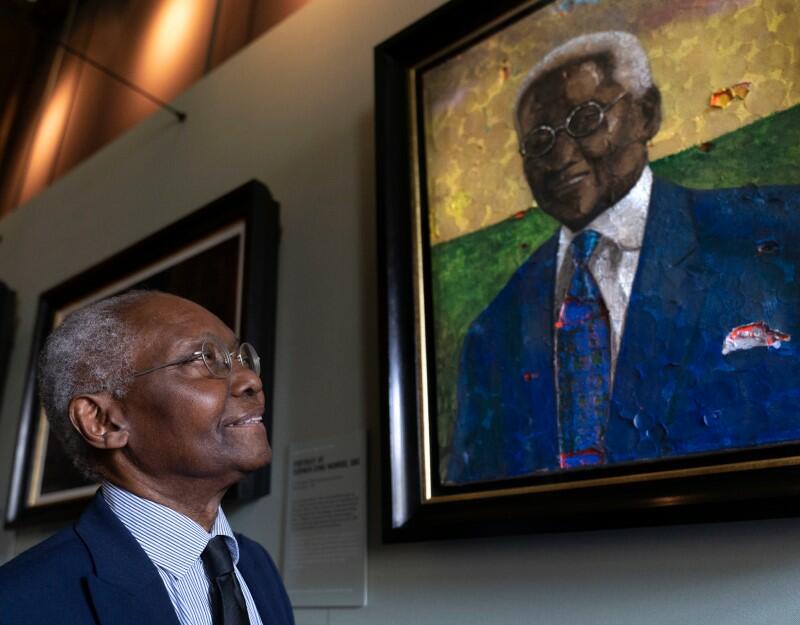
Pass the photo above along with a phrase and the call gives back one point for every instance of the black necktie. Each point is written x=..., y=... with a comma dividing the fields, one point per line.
x=227, y=601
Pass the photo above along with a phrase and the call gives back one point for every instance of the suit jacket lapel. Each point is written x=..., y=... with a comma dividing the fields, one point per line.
x=661, y=322
x=126, y=588
x=255, y=582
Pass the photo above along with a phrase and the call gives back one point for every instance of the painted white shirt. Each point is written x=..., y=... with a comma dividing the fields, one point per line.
x=614, y=261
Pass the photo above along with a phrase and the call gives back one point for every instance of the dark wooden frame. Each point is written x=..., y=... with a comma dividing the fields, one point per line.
x=8, y=311
x=251, y=204
x=676, y=492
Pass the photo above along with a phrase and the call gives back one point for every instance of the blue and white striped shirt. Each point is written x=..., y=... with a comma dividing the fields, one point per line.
x=174, y=542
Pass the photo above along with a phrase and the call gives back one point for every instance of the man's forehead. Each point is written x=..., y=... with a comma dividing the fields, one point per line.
x=155, y=306
x=165, y=323
x=162, y=312
x=573, y=82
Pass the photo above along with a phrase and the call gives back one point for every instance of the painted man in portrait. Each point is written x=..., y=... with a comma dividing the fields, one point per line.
x=658, y=321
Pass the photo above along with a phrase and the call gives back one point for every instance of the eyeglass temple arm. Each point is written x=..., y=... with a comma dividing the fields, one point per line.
x=182, y=361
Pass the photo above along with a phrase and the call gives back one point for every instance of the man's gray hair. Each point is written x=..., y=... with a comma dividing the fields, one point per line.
x=631, y=65
x=90, y=352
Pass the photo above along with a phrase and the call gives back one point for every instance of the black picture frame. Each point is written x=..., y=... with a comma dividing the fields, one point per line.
x=224, y=256
x=8, y=311
x=416, y=506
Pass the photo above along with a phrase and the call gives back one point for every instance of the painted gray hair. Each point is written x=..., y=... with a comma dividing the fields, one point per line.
x=90, y=352
x=631, y=65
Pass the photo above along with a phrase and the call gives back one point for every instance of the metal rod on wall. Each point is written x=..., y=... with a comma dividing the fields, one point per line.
x=180, y=115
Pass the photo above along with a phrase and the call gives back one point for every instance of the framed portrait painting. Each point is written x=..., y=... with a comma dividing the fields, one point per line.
x=589, y=222
x=222, y=256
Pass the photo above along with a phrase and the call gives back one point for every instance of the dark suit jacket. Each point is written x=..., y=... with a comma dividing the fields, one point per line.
x=96, y=573
x=710, y=261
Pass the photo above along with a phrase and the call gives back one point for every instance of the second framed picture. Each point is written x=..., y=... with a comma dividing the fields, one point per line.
x=590, y=234
x=223, y=256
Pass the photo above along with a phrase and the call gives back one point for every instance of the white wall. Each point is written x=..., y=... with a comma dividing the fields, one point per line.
x=295, y=109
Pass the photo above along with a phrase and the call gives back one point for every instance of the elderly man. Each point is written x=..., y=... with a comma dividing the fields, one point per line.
x=154, y=396
x=648, y=326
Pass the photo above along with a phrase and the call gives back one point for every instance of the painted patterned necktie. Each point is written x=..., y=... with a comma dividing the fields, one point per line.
x=227, y=601
x=583, y=361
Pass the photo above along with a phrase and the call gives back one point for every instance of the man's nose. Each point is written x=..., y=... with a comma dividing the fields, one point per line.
x=244, y=380
x=565, y=149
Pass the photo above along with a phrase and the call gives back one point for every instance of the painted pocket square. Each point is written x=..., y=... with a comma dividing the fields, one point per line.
x=750, y=335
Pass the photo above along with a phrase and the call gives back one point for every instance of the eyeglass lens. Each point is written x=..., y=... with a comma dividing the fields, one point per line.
x=582, y=122
x=249, y=358
x=219, y=363
x=585, y=120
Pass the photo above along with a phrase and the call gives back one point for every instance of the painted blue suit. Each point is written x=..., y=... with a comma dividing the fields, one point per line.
x=95, y=573
x=710, y=261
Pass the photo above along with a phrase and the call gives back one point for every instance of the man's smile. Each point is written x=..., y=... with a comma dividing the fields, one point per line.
x=567, y=182
x=247, y=420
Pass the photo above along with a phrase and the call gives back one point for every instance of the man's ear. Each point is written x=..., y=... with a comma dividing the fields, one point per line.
x=650, y=107
x=99, y=420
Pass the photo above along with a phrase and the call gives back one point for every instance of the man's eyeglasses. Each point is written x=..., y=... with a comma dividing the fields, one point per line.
x=217, y=359
x=582, y=121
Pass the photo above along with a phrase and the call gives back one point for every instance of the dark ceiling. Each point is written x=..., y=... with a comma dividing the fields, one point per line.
x=104, y=44
x=25, y=27
x=27, y=32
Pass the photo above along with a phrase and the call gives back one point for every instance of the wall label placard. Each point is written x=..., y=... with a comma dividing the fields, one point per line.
x=325, y=537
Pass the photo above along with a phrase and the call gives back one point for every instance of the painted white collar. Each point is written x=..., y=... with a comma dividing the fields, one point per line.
x=624, y=222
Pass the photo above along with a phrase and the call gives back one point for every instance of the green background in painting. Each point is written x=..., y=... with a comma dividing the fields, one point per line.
x=469, y=271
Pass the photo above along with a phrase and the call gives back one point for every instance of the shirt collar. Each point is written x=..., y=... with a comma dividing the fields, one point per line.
x=624, y=222
x=171, y=540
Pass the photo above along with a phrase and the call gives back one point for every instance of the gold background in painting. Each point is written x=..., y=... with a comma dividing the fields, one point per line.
x=695, y=47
